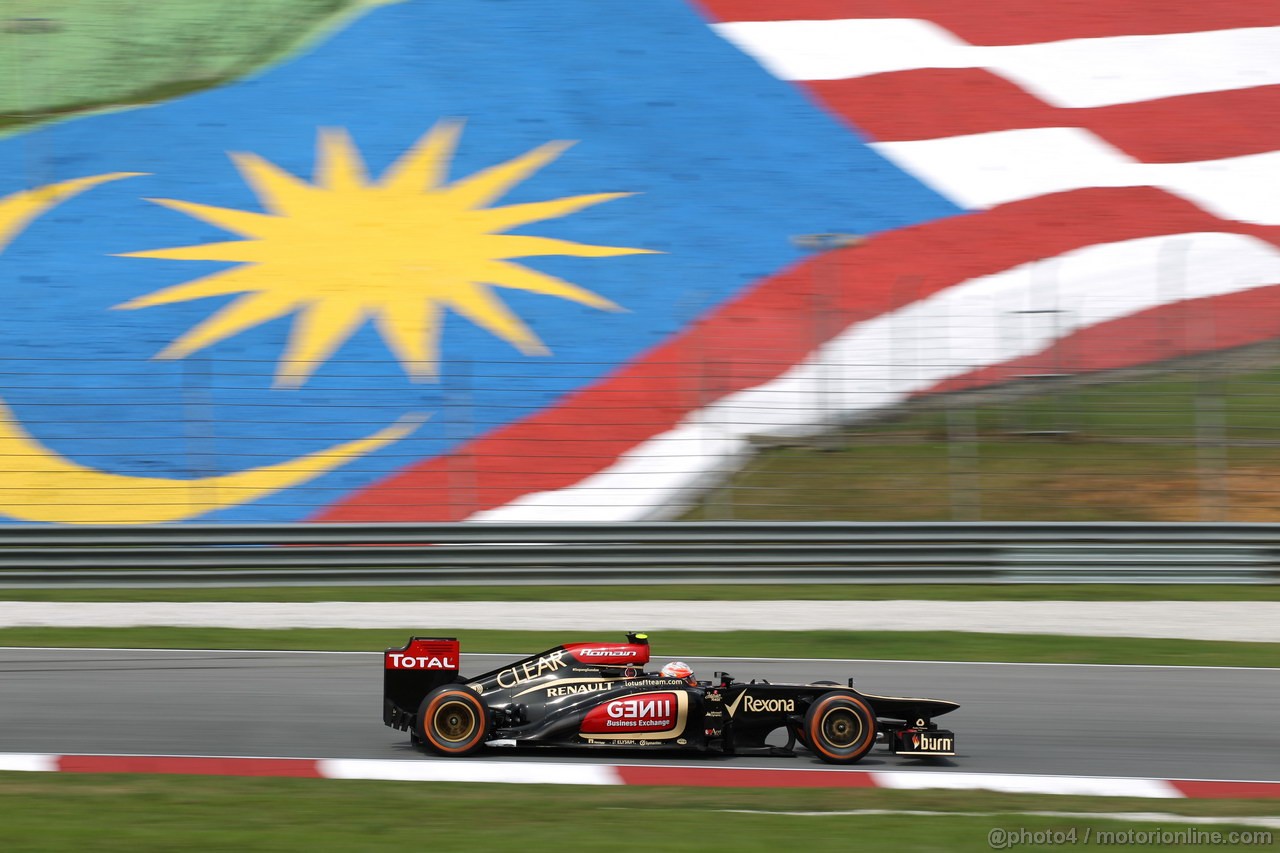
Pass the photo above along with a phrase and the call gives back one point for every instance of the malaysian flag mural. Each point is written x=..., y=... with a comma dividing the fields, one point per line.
x=487, y=261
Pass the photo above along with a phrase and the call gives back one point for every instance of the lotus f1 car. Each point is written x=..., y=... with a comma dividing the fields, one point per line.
x=598, y=695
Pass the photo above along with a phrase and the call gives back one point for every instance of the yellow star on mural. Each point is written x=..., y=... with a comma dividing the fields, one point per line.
x=399, y=250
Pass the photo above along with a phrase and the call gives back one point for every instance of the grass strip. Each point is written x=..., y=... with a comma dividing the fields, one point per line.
x=678, y=592
x=1082, y=480
x=141, y=813
x=1116, y=446
x=873, y=645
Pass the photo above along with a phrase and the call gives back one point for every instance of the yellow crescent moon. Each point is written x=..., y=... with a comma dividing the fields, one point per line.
x=50, y=488
x=17, y=210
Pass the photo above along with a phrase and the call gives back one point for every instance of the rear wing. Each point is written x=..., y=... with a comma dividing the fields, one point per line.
x=410, y=673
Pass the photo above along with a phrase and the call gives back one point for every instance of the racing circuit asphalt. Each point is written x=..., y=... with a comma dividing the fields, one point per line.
x=1171, y=722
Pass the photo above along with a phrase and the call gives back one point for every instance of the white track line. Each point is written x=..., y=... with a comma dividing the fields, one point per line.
x=1017, y=783
x=1137, y=817
x=32, y=762
x=1232, y=621
x=539, y=773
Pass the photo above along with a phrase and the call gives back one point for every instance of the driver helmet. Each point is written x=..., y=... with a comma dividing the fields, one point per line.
x=679, y=669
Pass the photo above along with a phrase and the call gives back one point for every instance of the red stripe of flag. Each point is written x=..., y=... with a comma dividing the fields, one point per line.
x=1228, y=790
x=724, y=777
x=759, y=335
x=996, y=22
x=1168, y=331
x=938, y=102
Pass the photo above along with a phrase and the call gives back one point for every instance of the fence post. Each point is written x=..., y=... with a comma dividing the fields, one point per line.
x=201, y=428
x=1210, y=414
x=825, y=249
x=459, y=430
x=962, y=458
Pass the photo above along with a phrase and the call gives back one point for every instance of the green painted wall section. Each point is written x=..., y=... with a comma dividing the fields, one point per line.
x=61, y=56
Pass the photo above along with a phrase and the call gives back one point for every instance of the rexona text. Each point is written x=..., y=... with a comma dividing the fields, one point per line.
x=760, y=706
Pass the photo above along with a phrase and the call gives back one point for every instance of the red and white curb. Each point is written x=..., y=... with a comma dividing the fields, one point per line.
x=540, y=773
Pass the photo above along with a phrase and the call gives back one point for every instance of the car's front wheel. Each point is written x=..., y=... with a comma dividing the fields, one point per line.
x=840, y=728
x=452, y=721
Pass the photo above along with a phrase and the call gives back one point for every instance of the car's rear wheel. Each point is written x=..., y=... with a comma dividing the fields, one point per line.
x=452, y=721
x=840, y=728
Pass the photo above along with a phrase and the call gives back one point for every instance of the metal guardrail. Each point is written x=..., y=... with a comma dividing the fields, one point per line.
x=639, y=553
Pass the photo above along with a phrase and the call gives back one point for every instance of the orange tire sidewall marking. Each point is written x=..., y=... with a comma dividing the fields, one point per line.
x=815, y=742
x=463, y=698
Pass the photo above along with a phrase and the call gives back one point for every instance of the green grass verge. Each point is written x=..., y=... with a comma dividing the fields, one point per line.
x=680, y=592
x=895, y=645
x=1164, y=406
x=72, y=57
x=140, y=813
x=1130, y=454
x=1010, y=480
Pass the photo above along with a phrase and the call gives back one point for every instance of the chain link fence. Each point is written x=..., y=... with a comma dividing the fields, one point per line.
x=1195, y=438
x=1171, y=417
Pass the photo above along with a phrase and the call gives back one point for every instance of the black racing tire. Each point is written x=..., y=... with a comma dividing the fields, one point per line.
x=798, y=728
x=452, y=721
x=840, y=728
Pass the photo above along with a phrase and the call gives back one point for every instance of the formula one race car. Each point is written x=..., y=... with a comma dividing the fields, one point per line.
x=598, y=695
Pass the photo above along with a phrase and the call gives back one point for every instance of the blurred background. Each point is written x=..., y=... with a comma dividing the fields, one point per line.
x=1164, y=414
x=1043, y=389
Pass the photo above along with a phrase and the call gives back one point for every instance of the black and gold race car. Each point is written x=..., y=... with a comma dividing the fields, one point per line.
x=598, y=695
